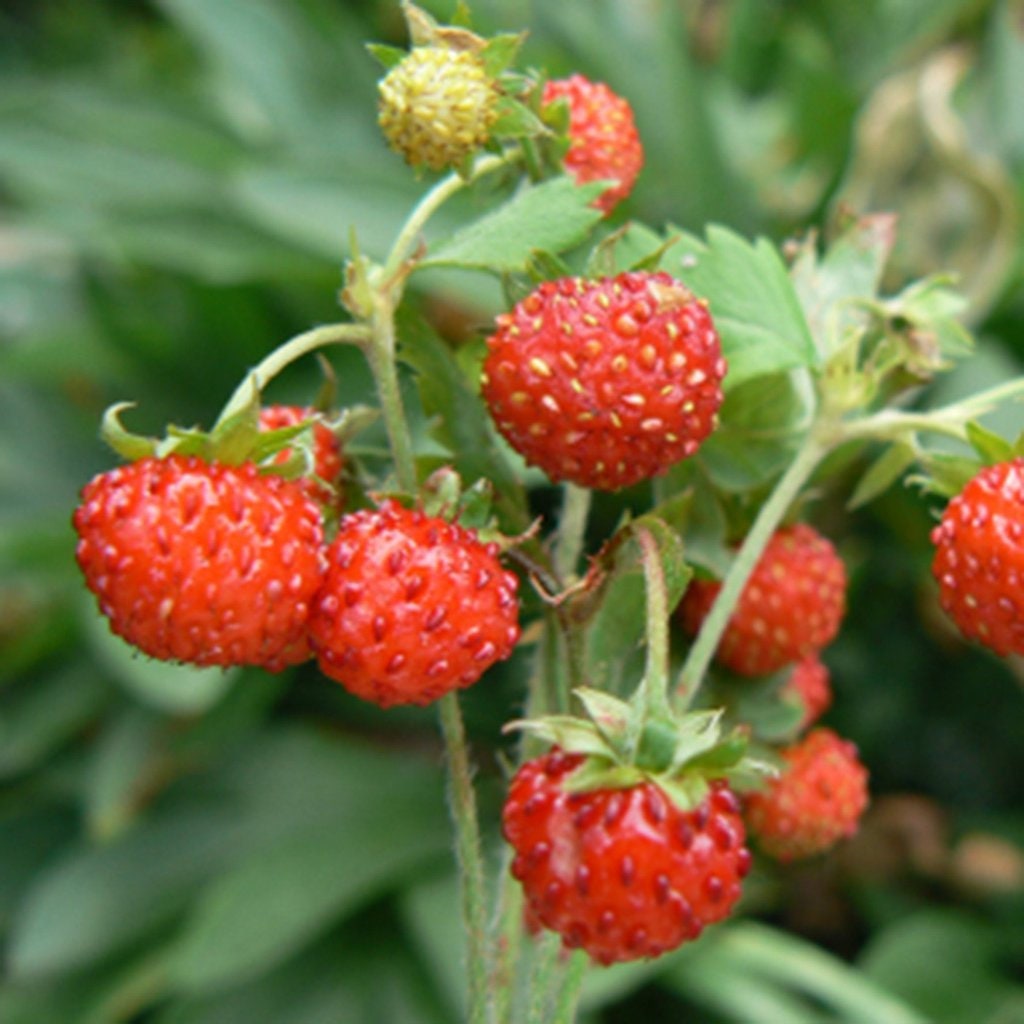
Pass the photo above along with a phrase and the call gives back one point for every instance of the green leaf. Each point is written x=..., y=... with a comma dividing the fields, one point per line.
x=460, y=420
x=614, y=610
x=554, y=216
x=42, y=714
x=515, y=120
x=942, y=961
x=850, y=269
x=760, y=425
x=96, y=901
x=752, y=301
x=281, y=897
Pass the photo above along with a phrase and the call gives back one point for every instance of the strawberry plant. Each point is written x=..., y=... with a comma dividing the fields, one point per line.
x=560, y=502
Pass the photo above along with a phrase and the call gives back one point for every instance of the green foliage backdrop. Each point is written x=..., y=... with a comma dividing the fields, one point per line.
x=178, y=183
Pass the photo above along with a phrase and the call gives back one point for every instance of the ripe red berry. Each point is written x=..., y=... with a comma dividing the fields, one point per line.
x=792, y=604
x=201, y=562
x=622, y=873
x=608, y=382
x=603, y=140
x=979, y=558
x=816, y=801
x=411, y=607
x=809, y=681
x=327, y=457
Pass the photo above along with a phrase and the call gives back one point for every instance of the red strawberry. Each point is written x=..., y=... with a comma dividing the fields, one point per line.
x=791, y=606
x=605, y=383
x=979, y=558
x=809, y=682
x=202, y=562
x=815, y=802
x=412, y=606
x=603, y=140
x=622, y=873
x=327, y=455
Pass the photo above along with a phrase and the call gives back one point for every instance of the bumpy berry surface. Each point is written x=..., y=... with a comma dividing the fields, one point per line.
x=603, y=140
x=327, y=457
x=811, y=683
x=608, y=382
x=792, y=605
x=412, y=606
x=979, y=558
x=817, y=800
x=622, y=873
x=436, y=106
x=201, y=562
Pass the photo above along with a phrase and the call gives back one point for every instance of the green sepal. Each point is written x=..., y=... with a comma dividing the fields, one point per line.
x=610, y=715
x=944, y=475
x=883, y=473
x=234, y=436
x=597, y=773
x=990, y=446
x=387, y=56
x=515, y=120
x=500, y=52
x=545, y=266
x=574, y=735
x=128, y=445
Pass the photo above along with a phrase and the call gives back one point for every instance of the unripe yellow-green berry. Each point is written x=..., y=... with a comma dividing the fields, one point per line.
x=437, y=106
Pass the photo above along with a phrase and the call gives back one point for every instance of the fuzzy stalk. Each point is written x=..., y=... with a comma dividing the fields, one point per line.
x=470, y=858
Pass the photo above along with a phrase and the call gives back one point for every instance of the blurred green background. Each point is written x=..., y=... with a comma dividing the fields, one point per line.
x=178, y=180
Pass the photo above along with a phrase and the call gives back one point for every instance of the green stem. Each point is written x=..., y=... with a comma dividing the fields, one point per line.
x=470, y=857
x=427, y=207
x=655, y=681
x=767, y=521
x=381, y=356
x=286, y=354
x=949, y=420
x=572, y=529
x=546, y=967
x=572, y=985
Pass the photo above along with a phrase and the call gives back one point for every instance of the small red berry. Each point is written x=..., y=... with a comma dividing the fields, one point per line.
x=792, y=604
x=202, y=562
x=622, y=873
x=411, y=607
x=603, y=140
x=816, y=801
x=979, y=558
x=809, y=681
x=327, y=457
x=608, y=382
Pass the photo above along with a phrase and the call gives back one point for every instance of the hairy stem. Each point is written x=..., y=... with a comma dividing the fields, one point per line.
x=286, y=354
x=572, y=528
x=470, y=858
x=427, y=207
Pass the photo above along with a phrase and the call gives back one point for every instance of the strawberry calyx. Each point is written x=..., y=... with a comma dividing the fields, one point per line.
x=237, y=437
x=622, y=745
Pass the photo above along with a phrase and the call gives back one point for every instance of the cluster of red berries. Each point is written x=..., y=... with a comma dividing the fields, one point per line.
x=212, y=564
x=790, y=609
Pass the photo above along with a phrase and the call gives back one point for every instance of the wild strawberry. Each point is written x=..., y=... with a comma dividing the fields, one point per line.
x=608, y=382
x=791, y=606
x=979, y=558
x=809, y=683
x=437, y=106
x=412, y=606
x=603, y=140
x=327, y=457
x=622, y=873
x=202, y=562
x=816, y=801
